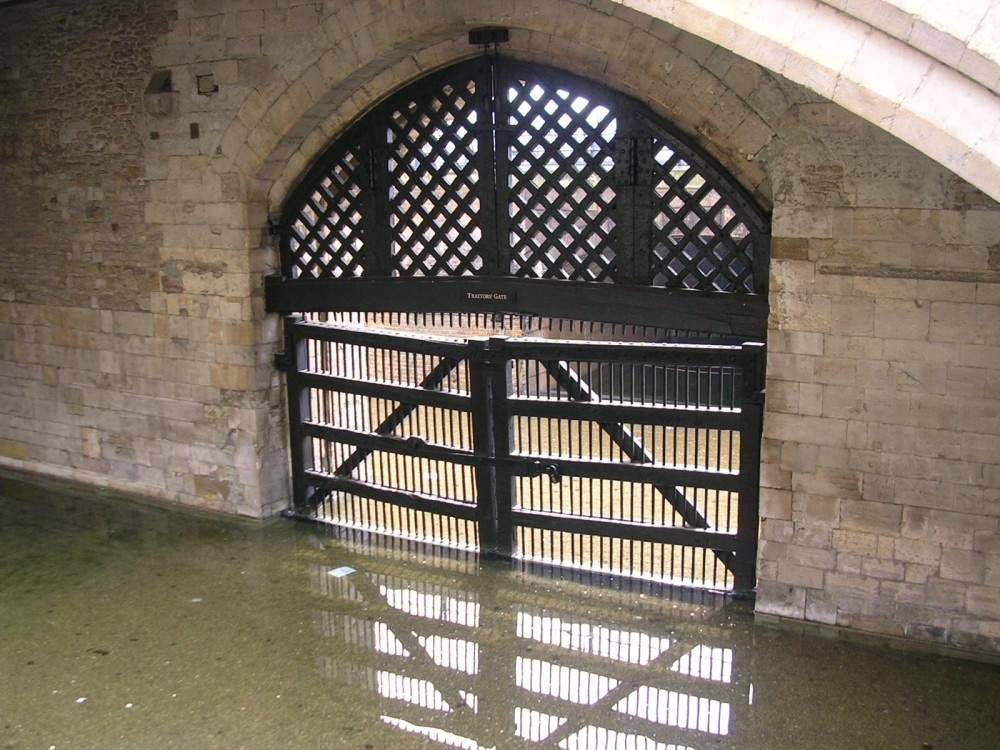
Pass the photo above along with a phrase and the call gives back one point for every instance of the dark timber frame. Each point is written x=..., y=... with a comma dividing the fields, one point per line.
x=492, y=188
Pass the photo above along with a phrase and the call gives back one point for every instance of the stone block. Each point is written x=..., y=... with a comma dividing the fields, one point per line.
x=901, y=318
x=775, y=504
x=887, y=407
x=841, y=402
x=799, y=458
x=959, y=565
x=950, y=321
x=822, y=559
x=780, y=599
x=972, y=355
x=866, y=589
x=819, y=537
x=857, y=543
x=872, y=517
x=843, y=372
x=810, y=399
x=797, y=342
x=918, y=574
x=790, y=367
x=782, y=396
x=18, y=450
x=966, y=382
x=815, y=430
x=946, y=595
x=987, y=541
x=849, y=564
x=918, y=551
x=821, y=607
x=843, y=484
x=133, y=324
x=914, y=523
x=853, y=316
x=800, y=576
x=776, y=530
x=816, y=510
x=840, y=346
x=808, y=223
x=886, y=570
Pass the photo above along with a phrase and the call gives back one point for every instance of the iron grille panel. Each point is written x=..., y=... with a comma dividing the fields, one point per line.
x=561, y=199
x=326, y=235
x=434, y=203
x=374, y=516
x=487, y=169
x=630, y=558
x=699, y=239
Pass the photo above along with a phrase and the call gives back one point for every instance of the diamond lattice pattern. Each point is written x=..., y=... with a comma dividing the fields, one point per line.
x=561, y=156
x=434, y=200
x=411, y=192
x=699, y=241
x=326, y=237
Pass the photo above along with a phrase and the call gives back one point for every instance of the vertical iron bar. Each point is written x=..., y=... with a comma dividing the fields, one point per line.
x=751, y=418
x=299, y=411
x=489, y=373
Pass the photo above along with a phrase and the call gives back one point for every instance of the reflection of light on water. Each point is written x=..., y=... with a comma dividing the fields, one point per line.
x=565, y=683
x=535, y=726
x=433, y=733
x=622, y=671
x=676, y=710
x=453, y=653
x=710, y=663
x=607, y=739
x=411, y=690
x=386, y=641
x=432, y=606
x=620, y=645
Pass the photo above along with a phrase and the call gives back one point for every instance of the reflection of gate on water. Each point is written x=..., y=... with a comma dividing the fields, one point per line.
x=631, y=458
x=470, y=664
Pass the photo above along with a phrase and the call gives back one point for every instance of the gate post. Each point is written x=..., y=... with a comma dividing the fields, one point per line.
x=294, y=362
x=752, y=367
x=489, y=386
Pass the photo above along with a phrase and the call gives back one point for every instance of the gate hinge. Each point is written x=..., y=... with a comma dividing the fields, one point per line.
x=282, y=362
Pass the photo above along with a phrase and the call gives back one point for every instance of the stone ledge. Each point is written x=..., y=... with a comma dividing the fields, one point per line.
x=908, y=272
x=837, y=632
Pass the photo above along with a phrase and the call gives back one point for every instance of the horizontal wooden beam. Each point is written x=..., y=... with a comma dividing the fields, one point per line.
x=739, y=315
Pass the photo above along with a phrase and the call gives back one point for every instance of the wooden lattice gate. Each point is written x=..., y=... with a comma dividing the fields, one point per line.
x=632, y=459
x=441, y=264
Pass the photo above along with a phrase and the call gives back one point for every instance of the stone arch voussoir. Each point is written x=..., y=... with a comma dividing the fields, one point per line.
x=705, y=90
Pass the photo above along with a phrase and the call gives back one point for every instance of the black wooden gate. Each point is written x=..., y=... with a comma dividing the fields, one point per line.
x=507, y=198
x=632, y=459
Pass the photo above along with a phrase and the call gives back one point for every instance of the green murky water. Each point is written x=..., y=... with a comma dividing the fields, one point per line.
x=124, y=626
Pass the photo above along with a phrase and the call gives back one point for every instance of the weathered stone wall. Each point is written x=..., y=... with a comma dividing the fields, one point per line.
x=135, y=351
x=130, y=330
x=881, y=500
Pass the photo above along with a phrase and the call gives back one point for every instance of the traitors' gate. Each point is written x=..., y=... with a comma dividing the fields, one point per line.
x=526, y=318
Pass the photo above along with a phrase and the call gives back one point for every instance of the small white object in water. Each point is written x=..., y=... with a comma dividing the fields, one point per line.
x=81, y=700
x=343, y=570
x=196, y=600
